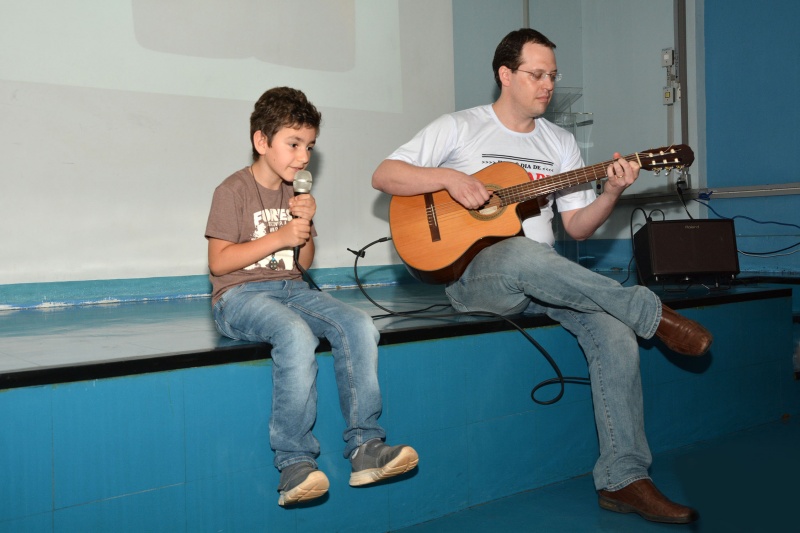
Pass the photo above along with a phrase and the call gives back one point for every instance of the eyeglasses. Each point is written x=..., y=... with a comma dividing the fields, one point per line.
x=539, y=75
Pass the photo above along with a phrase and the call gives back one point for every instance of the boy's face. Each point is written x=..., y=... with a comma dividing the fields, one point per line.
x=290, y=151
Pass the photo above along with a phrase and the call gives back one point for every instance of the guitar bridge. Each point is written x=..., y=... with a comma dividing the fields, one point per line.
x=433, y=224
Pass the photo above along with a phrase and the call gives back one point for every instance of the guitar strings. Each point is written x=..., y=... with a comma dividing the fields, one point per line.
x=529, y=190
x=522, y=192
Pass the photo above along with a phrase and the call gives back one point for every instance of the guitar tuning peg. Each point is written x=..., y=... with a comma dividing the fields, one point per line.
x=669, y=171
x=657, y=171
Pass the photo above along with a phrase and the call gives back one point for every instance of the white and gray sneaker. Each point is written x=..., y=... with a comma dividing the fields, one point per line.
x=301, y=482
x=374, y=461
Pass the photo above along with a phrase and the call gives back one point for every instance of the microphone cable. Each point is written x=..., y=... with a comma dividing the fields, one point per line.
x=560, y=379
x=304, y=272
x=679, y=190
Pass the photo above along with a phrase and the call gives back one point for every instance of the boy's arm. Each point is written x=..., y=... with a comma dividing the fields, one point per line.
x=307, y=254
x=225, y=257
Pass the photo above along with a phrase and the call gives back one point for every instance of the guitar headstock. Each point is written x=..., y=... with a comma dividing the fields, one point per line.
x=666, y=158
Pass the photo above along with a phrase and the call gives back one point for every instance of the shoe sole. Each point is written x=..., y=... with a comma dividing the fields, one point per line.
x=314, y=486
x=619, y=507
x=406, y=461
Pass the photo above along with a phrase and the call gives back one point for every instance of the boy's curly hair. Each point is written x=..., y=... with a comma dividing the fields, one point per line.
x=282, y=107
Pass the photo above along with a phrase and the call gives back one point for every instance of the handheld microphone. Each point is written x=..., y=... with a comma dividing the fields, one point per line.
x=301, y=185
x=302, y=182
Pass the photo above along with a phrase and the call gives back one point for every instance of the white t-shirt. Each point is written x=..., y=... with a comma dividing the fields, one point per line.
x=473, y=139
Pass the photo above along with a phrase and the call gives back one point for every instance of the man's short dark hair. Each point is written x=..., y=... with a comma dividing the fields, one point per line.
x=509, y=52
x=282, y=107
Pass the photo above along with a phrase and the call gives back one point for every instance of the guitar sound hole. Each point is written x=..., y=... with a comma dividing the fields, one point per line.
x=493, y=209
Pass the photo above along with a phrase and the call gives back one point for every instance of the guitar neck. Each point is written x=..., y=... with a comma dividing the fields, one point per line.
x=542, y=187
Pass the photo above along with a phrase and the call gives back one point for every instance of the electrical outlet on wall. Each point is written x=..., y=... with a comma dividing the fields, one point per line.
x=683, y=180
x=667, y=57
x=679, y=179
x=669, y=95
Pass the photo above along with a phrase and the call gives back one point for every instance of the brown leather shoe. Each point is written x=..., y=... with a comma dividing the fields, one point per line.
x=681, y=334
x=643, y=498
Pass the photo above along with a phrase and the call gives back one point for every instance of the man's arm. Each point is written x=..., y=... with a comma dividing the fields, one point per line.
x=399, y=178
x=581, y=223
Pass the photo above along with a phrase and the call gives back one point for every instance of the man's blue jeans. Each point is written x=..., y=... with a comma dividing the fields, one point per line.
x=292, y=318
x=519, y=275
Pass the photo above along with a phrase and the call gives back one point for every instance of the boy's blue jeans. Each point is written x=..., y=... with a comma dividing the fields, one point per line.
x=520, y=275
x=292, y=318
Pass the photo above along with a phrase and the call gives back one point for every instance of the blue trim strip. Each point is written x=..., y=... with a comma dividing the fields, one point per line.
x=70, y=293
x=600, y=255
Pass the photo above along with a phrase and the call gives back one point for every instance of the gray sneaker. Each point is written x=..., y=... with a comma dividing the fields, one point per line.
x=374, y=461
x=301, y=482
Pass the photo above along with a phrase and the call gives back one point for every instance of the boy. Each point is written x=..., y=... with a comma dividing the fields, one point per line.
x=255, y=226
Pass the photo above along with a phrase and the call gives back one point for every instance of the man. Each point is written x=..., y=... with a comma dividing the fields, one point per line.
x=525, y=274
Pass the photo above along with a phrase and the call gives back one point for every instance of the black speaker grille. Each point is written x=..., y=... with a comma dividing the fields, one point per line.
x=686, y=250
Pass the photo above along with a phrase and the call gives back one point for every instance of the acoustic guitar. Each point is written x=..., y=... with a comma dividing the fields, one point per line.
x=436, y=237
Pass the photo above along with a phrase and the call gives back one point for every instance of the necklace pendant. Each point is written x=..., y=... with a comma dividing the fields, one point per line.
x=273, y=264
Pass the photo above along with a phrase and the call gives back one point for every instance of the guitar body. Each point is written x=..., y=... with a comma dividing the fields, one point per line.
x=436, y=237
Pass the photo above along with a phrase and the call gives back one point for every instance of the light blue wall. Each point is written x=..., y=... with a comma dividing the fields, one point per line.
x=750, y=126
x=477, y=28
x=751, y=130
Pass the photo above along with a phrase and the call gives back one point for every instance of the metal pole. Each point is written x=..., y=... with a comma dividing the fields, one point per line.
x=680, y=54
x=526, y=14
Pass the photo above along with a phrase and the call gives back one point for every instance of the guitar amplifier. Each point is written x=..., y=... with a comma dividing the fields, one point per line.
x=691, y=250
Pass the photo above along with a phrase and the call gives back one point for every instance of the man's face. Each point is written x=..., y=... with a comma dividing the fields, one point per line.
x=532, y=95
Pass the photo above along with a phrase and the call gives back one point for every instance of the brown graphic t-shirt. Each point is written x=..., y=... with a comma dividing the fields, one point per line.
x=237, y=216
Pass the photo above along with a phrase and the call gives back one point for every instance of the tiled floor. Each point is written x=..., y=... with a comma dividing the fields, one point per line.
x=742, y=483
